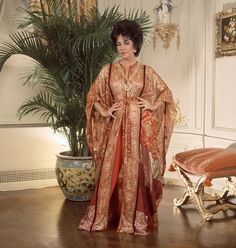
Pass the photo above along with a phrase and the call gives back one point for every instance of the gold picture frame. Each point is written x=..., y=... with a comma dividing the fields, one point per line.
x=226, y=33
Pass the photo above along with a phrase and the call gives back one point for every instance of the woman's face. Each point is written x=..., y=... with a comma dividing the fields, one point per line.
x=125, y=47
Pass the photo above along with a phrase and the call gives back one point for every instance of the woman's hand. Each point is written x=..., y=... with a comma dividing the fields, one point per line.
x=145, y=104
x=109, y=112
x=112, y=109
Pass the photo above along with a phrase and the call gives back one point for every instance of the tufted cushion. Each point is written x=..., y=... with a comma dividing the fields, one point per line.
x=211, y=162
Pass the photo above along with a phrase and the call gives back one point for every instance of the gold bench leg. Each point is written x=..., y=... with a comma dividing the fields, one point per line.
x=195, y=194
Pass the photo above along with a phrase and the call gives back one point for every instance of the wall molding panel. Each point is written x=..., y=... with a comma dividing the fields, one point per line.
x=220, y=84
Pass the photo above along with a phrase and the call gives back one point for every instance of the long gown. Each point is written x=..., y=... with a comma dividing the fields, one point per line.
x=129, y=150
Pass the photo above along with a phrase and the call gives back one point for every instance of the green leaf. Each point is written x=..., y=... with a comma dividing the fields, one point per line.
x=67, y=54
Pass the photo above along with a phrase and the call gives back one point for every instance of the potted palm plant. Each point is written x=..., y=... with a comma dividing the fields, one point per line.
x=68, y=51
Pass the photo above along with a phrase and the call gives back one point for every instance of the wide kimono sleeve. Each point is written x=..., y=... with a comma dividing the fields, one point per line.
x=97, y=125
x=157, y=126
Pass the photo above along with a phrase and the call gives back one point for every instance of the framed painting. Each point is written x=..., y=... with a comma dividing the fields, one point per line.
x=226, y=33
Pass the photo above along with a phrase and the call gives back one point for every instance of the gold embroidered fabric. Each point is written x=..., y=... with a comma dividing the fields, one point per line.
x=144, y=142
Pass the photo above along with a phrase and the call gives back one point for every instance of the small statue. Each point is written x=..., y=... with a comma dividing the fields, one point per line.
x=164, y=10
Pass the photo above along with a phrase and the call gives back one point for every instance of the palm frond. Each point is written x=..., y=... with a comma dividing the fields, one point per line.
x=67, y=53
x=42, y=102
x=23, y=43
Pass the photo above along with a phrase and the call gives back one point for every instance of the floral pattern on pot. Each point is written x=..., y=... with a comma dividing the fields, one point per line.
x=76, y=178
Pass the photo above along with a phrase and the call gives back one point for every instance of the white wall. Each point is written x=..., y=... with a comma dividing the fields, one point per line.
x=203, y=86
x=28, y=148
x=220, y=83
x=28, y=157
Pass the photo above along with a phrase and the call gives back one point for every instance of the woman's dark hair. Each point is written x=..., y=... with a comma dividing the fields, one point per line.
x=130, y=29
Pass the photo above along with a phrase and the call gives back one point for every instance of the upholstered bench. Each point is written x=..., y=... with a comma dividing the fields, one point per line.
x=207, y=163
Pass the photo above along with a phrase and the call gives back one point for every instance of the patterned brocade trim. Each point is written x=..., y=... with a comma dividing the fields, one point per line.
x=87, y=221
x=141, y=223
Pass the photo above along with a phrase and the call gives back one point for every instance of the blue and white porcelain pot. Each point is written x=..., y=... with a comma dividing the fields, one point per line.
x=75, y=176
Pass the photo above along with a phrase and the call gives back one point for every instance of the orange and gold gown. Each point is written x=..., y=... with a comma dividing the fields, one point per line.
x=129, y=150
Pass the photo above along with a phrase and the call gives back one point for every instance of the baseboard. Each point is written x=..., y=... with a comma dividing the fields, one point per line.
x=53, y=182
x=26, y=179
x=28, y=184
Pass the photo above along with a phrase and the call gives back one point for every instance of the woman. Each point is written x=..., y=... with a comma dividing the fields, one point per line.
x=130, y=117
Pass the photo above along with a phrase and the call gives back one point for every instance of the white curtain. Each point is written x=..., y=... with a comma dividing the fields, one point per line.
x=2, y=7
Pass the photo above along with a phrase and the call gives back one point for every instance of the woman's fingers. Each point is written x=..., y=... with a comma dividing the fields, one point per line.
x=145, y=104
x=114, y=108
x=142, y=102
x=140, y=98
x=141, y=105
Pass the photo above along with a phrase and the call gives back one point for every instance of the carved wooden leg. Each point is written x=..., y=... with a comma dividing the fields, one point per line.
x=193, y=193
x=196, y=194
x=197, y=200
x=183, y=200
x=188, y=184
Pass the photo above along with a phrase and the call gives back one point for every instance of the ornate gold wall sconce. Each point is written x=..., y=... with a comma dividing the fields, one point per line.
x=166, y=33
x=164, y=29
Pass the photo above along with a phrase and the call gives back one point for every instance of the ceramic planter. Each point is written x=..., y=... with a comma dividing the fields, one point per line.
x=75, y=176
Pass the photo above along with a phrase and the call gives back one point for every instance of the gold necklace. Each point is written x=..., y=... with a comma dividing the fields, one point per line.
x=128, y=87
